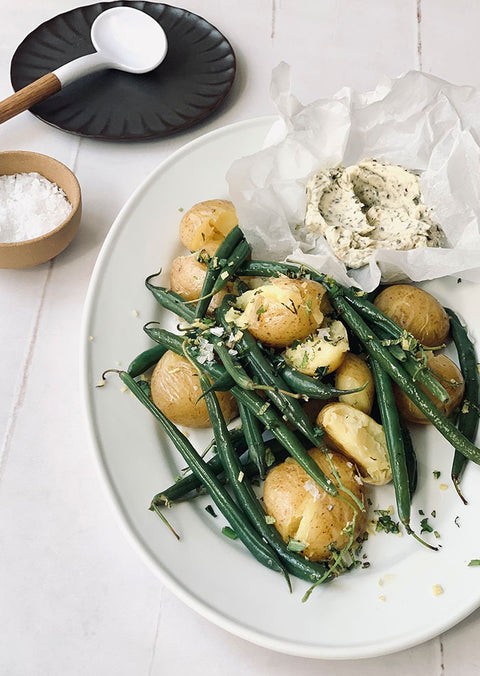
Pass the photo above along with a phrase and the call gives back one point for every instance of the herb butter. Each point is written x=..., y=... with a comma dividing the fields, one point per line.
x=368, y=206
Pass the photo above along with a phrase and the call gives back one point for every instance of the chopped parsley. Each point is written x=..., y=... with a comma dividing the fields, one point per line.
x=425, y=527
x=474, y=562
x=436, y=474
x=386, y=523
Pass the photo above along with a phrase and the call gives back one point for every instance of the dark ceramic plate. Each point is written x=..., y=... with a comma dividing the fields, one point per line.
x=189, y=85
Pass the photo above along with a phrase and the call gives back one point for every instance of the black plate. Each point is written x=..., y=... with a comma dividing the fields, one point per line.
x=190, y=84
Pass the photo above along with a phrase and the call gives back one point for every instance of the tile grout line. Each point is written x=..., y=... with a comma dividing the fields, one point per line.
x=419, y=36
x=11, y=423
x=274, y=16
x=157, y=632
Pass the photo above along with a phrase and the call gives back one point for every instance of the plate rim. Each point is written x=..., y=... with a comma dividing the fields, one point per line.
x=131, y=138
x=260, y=638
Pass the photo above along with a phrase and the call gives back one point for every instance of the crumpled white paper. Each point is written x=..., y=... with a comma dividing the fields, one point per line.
x=417, y=121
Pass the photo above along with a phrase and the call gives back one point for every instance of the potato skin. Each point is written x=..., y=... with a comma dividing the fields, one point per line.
x=282, y=310
x=206, y=225
x=305, y=512
x=186, y=279
x=445, y=371
x=175, y=389
x=354, y=372
x=359, y=437
x=417, y=311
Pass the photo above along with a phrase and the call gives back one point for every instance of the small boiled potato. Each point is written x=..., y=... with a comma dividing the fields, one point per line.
x=352, y=373
x=449, y=375
x=186, y=279
x=305, y=512
x=176, y=389
x=206, y=225
x=326, y=348
x=416, y=311
x=280, y=311
x=359, y=437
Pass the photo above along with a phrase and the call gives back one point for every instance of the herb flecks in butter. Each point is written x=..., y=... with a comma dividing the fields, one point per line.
x=369, y=206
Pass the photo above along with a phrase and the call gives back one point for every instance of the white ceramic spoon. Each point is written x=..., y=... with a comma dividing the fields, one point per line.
x=124, y=38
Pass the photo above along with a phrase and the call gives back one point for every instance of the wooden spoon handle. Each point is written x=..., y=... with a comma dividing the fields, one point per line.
x=36, y=91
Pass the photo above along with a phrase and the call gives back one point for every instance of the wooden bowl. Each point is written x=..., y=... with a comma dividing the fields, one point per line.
x=34, y=251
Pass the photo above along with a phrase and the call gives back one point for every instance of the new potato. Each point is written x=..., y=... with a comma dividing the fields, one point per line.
x=359, y=437
x=281, y=311
x=352, y=373
x=416, y=311
x=186, y=279
x=176, y=390
x=326, y=348
x=206, y=225
x=305, y=512
x=449, y=375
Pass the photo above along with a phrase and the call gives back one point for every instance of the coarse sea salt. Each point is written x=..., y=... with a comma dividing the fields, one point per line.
x=30, y=206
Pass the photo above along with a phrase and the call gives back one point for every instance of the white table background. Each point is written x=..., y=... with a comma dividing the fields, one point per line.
x=75, y=598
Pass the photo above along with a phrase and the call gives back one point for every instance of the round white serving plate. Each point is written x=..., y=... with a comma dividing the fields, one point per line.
x=385, y=607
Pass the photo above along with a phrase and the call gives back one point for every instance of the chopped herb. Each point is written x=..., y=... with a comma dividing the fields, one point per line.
x=269, y=457
x=436, y=533
x=269, y=519
x=436, y=474
x=308, y=305
x=304, y=360
x=210, y=510
x=229, y=533
x=434, y=513
x=296, y=545
x=425, y=527
x=261, y=310
x=386, y=523
x=456, y=521
x=421, y=512
x=180, y=209
x=474, y=562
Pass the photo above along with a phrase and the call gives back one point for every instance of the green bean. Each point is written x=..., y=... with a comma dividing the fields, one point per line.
x=262, y=552
x=379, y=352
x=182, y=487
x=239, y=255
x=414, y=366
x=297, y=565
x=366, y=309
x=394, y=439
x=253, y=436
x=272, y=421
x=233, y=367
x=309, y=385
x=222, y=379
x=395, y=446
x=214, y=269
x=145, y=360
x=469, y=412
x=411, y=459
x=171, y=300
x=263, y=369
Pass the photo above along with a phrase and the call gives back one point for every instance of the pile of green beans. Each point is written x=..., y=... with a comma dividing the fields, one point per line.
x=268, y=392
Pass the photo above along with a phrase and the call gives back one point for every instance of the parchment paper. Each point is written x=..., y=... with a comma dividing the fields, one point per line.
x=418, y=121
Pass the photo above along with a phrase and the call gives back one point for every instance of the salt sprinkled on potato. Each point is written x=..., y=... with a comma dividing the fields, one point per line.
x=305, y=512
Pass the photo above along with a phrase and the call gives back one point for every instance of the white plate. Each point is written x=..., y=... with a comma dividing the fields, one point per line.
x=386, y=607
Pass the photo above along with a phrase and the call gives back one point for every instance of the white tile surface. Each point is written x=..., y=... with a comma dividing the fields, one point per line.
x=75, y=598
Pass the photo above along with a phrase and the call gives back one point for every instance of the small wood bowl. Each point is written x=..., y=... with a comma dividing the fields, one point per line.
x=31, y=252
